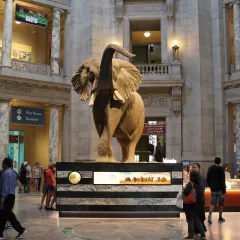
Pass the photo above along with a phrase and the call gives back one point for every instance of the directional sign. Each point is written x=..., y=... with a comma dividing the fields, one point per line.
x=25, y=115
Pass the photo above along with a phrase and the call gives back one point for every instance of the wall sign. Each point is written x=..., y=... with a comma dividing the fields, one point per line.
x=25, y=115
x=154, y=129
x=31, y=16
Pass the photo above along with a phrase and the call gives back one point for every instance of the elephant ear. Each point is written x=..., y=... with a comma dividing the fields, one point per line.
x=127, y=81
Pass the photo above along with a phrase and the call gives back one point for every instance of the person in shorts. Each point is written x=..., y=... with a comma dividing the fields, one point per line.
x=216, y=182
x=44, y=190
x=51, y=183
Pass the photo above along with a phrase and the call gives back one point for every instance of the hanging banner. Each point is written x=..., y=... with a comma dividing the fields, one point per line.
x=154, y=129
x=31, y=16
x=25, y=115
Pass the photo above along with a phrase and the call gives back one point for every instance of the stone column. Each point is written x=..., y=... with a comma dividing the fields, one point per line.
x=7, y=34
x=238, y=136
x=55, y=52
x=236, y=23
x=65, y=138
x=53, y=135
x=126, y=36
x=4, y=129
x=164, y=40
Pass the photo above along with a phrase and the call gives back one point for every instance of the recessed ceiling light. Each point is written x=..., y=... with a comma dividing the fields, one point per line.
x=147, y=34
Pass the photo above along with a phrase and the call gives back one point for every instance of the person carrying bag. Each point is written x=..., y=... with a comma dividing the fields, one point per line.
x=190, y=206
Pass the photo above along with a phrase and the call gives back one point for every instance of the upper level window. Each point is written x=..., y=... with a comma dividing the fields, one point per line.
x=32, y=33
x=146, y=41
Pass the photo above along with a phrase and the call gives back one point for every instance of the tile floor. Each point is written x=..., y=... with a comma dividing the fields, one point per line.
x=46, y=225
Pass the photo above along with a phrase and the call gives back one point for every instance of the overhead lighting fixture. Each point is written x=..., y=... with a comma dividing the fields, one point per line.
x=17, y=22
x=147, y=34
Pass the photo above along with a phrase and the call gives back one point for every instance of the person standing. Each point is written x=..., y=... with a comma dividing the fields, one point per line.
x=28, y=175
x=185, y=175
x=216, y=182
x=36, y=174
x=192, y=208
x=23, y=178
x=40, y=179
x=51, y=182
x=202, y=216
x=8, y=184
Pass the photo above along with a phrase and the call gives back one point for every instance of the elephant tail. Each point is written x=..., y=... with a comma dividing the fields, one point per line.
x=105, y=75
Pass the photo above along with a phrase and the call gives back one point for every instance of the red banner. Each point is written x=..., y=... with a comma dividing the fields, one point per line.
x=154, y=129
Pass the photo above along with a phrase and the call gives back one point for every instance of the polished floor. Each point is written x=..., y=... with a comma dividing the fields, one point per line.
x=46, y=225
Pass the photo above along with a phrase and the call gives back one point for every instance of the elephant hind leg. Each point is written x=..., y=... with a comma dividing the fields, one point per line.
x=124, y=144
x=128, y=149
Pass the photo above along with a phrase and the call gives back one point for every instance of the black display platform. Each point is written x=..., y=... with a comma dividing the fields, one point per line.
x=88, y=199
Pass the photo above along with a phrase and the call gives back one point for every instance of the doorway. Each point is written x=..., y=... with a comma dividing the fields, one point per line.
x=152, y=144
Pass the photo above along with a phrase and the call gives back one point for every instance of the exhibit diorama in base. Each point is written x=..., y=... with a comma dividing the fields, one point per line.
x=118, y=189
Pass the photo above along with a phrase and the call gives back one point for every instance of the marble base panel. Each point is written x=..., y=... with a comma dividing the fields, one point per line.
x=118, y=188
x=89, y=197
x=116, y=201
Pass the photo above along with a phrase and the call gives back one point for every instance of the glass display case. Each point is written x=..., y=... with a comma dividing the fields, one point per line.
x=232, y=196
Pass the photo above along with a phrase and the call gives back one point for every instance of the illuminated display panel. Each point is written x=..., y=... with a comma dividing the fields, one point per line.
x=148, y=178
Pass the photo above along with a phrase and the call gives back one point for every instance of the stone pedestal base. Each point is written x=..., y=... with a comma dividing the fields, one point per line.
x=119, y=189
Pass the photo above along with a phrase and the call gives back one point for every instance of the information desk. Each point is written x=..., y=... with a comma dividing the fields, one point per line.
x=118, y=189
x=232, y=197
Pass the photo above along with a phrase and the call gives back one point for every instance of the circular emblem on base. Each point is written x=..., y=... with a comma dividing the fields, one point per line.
x=74, y=177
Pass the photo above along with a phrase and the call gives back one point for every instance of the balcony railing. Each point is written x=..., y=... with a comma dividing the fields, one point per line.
x=155, y=69
x=160, y=71
x=29, y=67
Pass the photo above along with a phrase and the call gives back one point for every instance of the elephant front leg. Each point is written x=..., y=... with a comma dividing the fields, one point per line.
x=105, y=152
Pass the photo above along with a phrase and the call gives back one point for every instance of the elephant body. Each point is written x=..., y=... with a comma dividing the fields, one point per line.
x=125, y=121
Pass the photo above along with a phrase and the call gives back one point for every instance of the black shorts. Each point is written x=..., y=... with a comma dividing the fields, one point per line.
x=51, y=188
x=217, y=197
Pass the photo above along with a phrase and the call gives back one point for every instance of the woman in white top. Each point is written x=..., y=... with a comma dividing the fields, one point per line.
x=186, y=177
x=37, y=174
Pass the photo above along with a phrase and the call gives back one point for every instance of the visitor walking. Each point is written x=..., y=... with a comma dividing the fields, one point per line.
x=44, y=190
x=8, y=184
x=216, y=182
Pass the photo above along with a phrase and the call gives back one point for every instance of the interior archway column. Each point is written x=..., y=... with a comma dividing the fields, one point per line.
x=53, y=147
x=4, y=129
x=7, y=34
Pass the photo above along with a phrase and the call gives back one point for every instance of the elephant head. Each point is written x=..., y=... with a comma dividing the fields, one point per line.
x=104, y=74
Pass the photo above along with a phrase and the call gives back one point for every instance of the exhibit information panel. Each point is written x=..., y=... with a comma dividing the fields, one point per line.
x=132, y=178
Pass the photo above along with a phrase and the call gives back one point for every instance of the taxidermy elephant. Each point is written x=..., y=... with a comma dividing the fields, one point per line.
x=118, y=110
